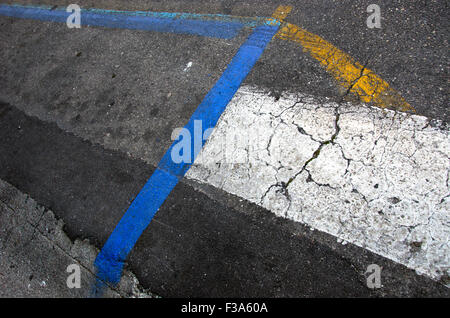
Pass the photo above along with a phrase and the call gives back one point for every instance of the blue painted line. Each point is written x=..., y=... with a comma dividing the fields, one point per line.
x=218, y=26
x=246, y=21
x=109, y=262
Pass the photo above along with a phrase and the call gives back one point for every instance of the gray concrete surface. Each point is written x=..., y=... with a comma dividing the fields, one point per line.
x=35, y=253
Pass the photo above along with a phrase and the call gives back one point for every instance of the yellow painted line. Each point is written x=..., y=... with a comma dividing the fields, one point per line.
x=281, y=13
x=350, y=74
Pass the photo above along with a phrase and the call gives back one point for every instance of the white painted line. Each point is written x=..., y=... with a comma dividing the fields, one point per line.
x=375, y=178
x=188, y=66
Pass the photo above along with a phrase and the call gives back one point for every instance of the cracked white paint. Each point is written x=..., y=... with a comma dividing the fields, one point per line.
x=376, y=178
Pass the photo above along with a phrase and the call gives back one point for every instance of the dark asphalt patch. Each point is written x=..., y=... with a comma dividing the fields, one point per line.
x=195, y=246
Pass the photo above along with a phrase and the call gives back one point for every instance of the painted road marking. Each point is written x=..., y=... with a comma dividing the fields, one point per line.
x=188, y=66
x=363, y=82
x=351, y=75
x=109, y=262
x=281, y=13
x=375, y=178
x=218, y=26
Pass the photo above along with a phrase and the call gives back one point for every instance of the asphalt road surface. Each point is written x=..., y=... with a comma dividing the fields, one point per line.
x=86, y=114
